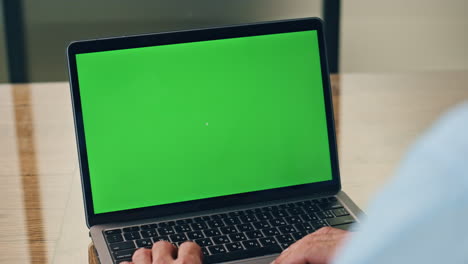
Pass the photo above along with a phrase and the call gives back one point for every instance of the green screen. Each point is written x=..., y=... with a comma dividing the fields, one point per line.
x=180, y=122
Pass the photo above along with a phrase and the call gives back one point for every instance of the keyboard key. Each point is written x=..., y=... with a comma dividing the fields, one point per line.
x=340, y=212
x=221, y=239
x=285, y=245
x=148, y=233
x=321, y=200
x=318, y=224
x=218, y=249
x=228, y=230
x=201, y=219
x=166, y=231
x=241, y=254
x=215, y=223
x=254, y=234
x=268, y=241
x=299, y=235
x=245, y=227
x=340, y=220
x=287, y=229
x=325, y=214
x=220, y=216
x=149, y=226
x=248, y=218
x=261, y=225
x=271, y=232
x=161, y=238
x=249, y=212
x=195, y=235
x=257, y=210
x=311, y=208
x=250, y=244
x=131, y=229
x=123, y=254
x=293, y=219
x=295, y=211
x=122, y=245
x=304, y=227
x=285, y=238
x=178, y=238
x=280, y=213
x=171, y=223
x=215, y=216
x=113, y=231
x=330, y=205
x=147, y=243
x=264, y=216
x=163, y=224
x=124, y=259
x=223, y=215
x=198, y=220
x=132, y=235
x=114, y=238
x=212, y=232
x=236, y=246
x=235, y=213
x=181, y=221
x=237, y=237
x=204, y=242
x=309, y=217
x=232, y=221
x=199, y=226
x=278, y=222
x=182, y=228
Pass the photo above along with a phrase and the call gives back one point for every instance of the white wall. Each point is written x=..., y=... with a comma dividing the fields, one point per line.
x=52, y=24
x=376, y=35
x=404, y=35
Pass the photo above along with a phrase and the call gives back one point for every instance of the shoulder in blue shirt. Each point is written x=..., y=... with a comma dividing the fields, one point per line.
x=420, y=216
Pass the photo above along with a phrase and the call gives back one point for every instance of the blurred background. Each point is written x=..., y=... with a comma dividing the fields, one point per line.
x=372, y=36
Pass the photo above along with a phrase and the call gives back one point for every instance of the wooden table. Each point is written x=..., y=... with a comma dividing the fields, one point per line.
x=41, y=208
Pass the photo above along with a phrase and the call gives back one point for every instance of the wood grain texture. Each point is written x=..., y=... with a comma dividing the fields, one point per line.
x=41, y=206
x=92, y=259
x=26, y=147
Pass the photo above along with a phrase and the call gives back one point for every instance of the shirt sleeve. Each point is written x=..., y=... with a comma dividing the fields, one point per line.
x=421, y=215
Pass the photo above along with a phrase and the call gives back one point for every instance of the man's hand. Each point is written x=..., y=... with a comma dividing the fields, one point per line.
x=316, y=248
x=165, y=252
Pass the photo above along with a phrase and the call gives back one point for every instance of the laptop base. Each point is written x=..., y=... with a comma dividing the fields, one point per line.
x=323, y=209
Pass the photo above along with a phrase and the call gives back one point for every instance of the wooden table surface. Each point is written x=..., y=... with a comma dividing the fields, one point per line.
x=41, y=206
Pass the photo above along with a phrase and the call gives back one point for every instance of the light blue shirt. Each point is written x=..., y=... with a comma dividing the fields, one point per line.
x=422, y=215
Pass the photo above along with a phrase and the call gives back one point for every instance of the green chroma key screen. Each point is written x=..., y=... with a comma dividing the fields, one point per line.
x=173, y=123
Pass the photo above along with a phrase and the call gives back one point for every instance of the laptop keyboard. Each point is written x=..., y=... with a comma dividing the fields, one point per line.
x=237, y=234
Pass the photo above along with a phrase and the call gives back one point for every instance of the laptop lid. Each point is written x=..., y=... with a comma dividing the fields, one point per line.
x=200, y=119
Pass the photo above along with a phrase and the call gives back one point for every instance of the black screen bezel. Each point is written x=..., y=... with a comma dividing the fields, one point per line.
x=126, y=42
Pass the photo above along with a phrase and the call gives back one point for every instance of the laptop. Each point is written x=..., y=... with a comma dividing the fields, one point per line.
x=222, y=136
